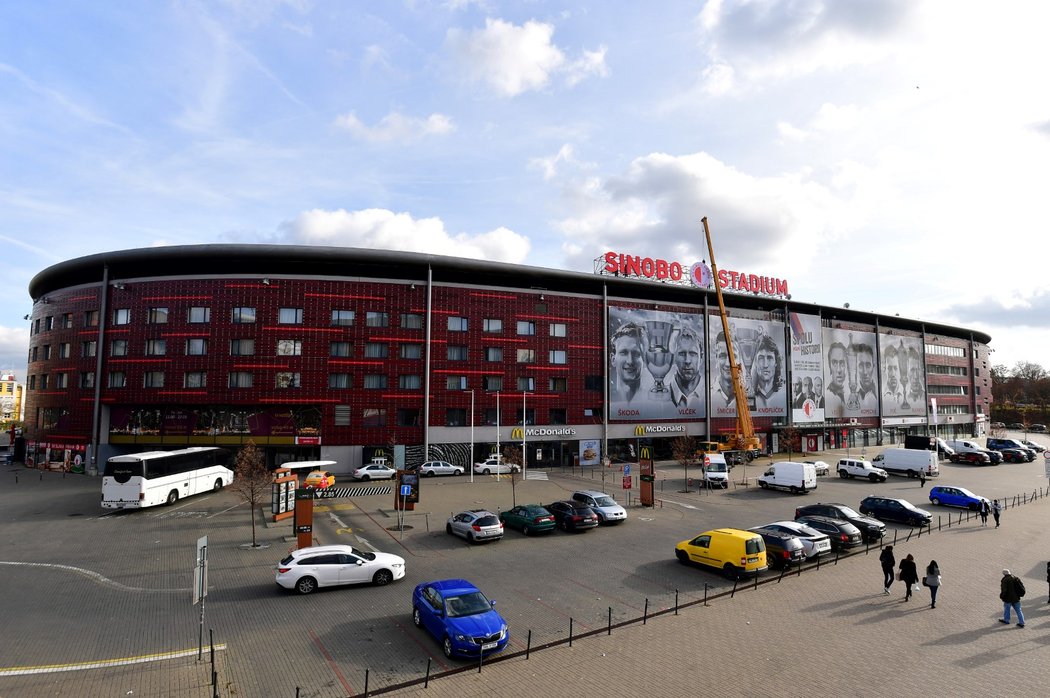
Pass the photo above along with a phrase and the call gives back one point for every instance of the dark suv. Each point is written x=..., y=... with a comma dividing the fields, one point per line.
x=895, y=509
x=782, y=549
x=842, y=533
x=1011, y=444
x=872, y=529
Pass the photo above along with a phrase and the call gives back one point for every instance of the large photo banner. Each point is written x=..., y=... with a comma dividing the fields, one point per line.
x=903, y=376
x=807, y=368
x=851, y=374
x=656, y=365
x=758, y=346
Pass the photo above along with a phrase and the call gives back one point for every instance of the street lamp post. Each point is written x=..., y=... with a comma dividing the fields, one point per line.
x=524, y=421
x=470, y=457
x=499, y=455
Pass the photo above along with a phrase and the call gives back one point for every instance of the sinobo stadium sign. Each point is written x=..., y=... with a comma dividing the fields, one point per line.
x=697, y=274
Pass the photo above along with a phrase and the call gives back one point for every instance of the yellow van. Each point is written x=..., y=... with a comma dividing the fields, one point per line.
x=737, y=553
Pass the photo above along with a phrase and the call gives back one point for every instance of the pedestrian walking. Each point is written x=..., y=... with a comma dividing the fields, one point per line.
x=1011, y=589
x=888, y=563
x=933, y=581
x=997, y=509
x=922, y=478
x=908, y=574
x=982, y=509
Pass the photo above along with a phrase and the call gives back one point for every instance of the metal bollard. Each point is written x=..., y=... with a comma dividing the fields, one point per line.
x=609, y=627
x=570, y=631
x=528, y=644
x=645, y=613
x=426, y=679
x=676, y=602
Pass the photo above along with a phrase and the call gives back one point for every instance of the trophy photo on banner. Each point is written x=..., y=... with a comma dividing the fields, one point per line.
x=658, y=357
x=745, y=340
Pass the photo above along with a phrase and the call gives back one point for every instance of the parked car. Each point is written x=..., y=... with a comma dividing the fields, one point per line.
x=782, y=549
x=840, y=532
x=1015, y=455
x=436, y=467
x=374, y=471
x=608, y=511
x=994, y=456
x=895, y=509
x=1010, y=444
x=971, y=458
x=998, y=425
x=814, y=542
x=319, y=480
x=736, y=553
x=872, y=529
x=495, y=464
x=858, y=467
x=1017, y=426
x=820, y=466
x=528, y=518
x=1037, y=428
x=1038, y=448
x=308, y=569
x=956, y=497
x=460, y=617
x=475, y=525
x=571, y=515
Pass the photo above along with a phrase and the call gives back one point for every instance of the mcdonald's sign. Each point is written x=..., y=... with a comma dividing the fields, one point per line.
x=643, y=429
x=645, y=453
x=517, y=434
x=639, y=430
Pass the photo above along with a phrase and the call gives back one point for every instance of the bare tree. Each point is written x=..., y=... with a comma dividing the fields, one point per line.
x=252, y=481
x=513, y=456
x=683, y=448
x=792, y=438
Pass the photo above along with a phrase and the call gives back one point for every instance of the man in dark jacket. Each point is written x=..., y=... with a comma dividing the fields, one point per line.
x=1010, y=594
x=909, y=575
x=888, y=562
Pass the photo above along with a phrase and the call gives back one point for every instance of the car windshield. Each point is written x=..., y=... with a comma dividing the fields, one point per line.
x=467, y=604
x=605, y=501
x=849, y=513
x=716, y=468
x=908, y=505
x=487, y=521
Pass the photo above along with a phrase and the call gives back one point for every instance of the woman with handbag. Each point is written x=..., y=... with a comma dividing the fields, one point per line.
x=933, y=581
x=909, y=574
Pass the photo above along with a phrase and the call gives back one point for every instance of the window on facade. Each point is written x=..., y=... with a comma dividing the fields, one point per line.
x=558, y=329
x=557, y=385
x=290, y=316
x=242, y=347
x=457, y=324
x=412, y=321
x=593, y=383
x=46, y=350
x=455, y=417
x=49, y=322
x=198, y=315
x=117, y=379
x=87, y=379
x=243, y=316
x=343, y=318
x=456, y=382
x=374, y=318
x=407, y=417
x=339, y=381
x=492, y=383
x=64, y=350
x=526, y=356
x=557, y=415
x=118, y=347
x=241, y=379
x=122, y=316
x=526, y=327
x=286, y=379
x=33, y=353
x=530, y=416
x=289, y=347
x=411, y=351
x=67, y=321
x=195, y=379
x=339, y=349
x=456, y=353
x=32, y=382
x=156, y=347
x=373, y=417
x=36, y=329
x=494, y=354
x=409, y=382
x=158, y=316
x=493, y=325
x=375, y=381
x=593, y=412
x=376, y=350
x=525, y=383
x=557, y=356
x=90, y=318
x=43, y=382
x=196, y=346
x=61, y=380
x=153, y=379
x=88, y=349
x=489, y=415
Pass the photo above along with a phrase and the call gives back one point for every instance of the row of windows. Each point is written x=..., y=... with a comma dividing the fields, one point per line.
x=947, y=370
x=941, y=350
x=953, y=409
x=947, y=390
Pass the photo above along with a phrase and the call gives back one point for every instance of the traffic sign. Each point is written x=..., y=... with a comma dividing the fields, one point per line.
x=627, y=482
x=406, y=490
x=626, y=468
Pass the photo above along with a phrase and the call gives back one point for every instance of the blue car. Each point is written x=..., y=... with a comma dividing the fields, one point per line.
x=462, y=619
x=955, y=497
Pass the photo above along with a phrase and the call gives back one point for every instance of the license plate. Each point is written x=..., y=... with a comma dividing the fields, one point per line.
x=752, y=559
x=490, y=645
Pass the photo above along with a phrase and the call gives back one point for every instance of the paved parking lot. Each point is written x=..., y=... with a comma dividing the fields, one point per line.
x=91, y=587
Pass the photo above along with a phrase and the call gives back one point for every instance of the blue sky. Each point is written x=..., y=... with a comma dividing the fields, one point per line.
x=893, y=155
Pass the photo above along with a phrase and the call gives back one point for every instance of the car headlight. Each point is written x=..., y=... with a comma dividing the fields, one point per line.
x=461, y=637
x=397, y=565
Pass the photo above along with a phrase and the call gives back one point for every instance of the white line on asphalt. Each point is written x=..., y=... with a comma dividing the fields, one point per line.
x=105, y=581
x=225, y=510
x=100, y=664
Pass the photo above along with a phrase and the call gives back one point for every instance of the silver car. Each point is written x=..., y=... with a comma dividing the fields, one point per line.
x=475, y=525
x=438, y=467
x=813, y=541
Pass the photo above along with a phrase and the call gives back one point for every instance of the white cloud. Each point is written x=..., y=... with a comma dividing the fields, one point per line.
x=395, y=127
x=549, y=165
x=514, y=59
x=383, y=229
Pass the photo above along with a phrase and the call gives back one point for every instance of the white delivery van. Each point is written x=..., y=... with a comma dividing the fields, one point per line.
x=716, y=471
x=908, y=461
x=965, y=446
x=796, y=478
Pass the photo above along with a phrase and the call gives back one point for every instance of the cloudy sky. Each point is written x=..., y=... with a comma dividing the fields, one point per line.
x=890, y=154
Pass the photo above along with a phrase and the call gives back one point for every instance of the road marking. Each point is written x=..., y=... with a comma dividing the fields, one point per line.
x=105, y=581
x=99, y=664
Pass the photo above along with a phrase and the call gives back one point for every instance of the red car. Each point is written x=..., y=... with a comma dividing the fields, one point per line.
x=971, y=458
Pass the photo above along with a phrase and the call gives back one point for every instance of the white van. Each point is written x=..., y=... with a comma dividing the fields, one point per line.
x=908, y=461
x=716, y=471
x=965, y=446
x=796, y=478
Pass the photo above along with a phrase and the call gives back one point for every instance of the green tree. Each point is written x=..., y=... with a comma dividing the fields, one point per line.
x=252, y=480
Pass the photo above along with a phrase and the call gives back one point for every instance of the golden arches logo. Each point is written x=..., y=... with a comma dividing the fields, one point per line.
x=517, y=433
x=639, y=430
x=645, y=453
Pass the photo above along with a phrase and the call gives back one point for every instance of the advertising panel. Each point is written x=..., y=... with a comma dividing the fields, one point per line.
x=590, y=451
x=807, y=368
x=656, y=365
x=903, y=376
x=851, y=374
x=759, y=348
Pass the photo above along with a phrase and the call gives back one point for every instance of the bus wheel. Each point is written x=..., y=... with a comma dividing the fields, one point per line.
x=173, y=497
x=218, y=485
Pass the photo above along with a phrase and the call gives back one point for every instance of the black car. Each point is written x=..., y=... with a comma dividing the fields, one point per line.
x=782, y=549
x=871, y=529
x=971, y=458
x=842, y=533
x=995, y=456
x=895, y=509
x=1004, y=445
x=573, y=516
x=1014, y=455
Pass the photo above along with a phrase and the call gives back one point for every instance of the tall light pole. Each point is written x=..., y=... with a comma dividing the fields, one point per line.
x=499, y=456
x=524, y=421
x=470, y=457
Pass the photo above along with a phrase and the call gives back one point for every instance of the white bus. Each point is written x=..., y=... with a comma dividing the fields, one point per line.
x=161, y=477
